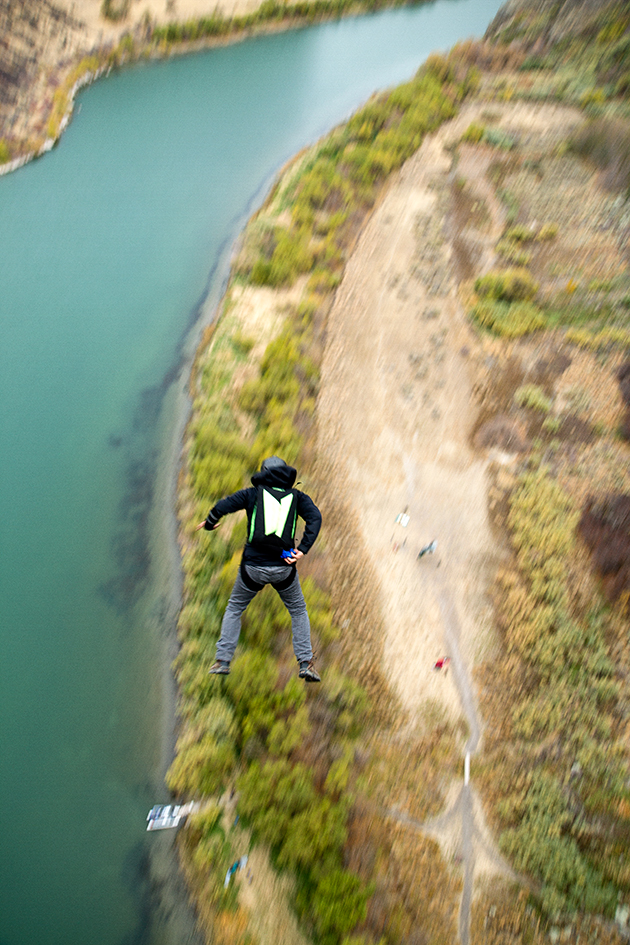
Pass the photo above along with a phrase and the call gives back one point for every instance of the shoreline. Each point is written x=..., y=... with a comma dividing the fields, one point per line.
x=129, y=50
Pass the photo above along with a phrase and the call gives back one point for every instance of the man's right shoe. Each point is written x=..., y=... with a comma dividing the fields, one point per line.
x=220, y=668
x=307, y=672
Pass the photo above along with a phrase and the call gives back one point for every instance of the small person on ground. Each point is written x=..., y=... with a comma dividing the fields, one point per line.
x=442, y=663
x=270, y=557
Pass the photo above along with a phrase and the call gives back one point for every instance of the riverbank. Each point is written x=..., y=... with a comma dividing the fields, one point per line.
x=82, y=45
x=413, y=416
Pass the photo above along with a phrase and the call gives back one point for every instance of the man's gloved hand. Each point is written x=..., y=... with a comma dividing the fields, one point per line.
x=209, y=523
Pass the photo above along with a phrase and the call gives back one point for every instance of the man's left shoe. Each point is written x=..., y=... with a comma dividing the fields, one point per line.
x=220, y=668
x=307, y=672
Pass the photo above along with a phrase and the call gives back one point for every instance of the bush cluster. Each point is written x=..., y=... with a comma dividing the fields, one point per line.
x=506, y=307
x=115, y=10
x=511, y=320
x=253, y=732
x=507, y=285
x=552, y=809
x=586, y=62
x=605, y=338
x=476, y=133
x=532, y=396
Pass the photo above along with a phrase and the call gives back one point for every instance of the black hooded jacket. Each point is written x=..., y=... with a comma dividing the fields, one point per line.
x=282, y=476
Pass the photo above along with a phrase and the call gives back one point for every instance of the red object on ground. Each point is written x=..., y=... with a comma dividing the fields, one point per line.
x=441, y=663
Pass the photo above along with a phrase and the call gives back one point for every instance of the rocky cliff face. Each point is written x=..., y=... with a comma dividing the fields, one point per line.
x=35, y=34
x=546, y=22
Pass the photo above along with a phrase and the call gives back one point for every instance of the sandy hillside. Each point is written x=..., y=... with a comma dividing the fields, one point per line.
x=159, y=11
x=397, y=409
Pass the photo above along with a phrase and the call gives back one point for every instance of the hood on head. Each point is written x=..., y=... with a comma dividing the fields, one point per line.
x=275, y=472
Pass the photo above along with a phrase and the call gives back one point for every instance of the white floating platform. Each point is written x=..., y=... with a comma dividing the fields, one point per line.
x=164, y=817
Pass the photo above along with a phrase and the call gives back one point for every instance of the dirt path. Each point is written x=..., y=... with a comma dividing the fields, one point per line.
x=396, y=413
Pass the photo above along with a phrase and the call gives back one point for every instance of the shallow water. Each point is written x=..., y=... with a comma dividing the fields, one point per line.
x=110, y=245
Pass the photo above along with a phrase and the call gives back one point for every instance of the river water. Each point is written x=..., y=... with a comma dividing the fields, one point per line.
x=115, y=245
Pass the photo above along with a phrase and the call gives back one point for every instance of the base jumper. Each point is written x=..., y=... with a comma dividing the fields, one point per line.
x=270, y=556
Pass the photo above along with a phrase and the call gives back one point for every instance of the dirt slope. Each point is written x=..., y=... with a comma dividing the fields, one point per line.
x=395, y=415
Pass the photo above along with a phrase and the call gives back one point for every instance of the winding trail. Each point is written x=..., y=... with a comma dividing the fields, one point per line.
x=464, y=801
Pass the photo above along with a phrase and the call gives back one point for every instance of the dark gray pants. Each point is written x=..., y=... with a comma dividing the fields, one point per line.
x=241, y=596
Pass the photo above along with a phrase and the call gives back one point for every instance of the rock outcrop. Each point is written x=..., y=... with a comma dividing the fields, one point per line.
x=547, y=21
x=36, y=34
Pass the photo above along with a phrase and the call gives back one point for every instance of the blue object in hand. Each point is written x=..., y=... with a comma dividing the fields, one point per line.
x=286, y=554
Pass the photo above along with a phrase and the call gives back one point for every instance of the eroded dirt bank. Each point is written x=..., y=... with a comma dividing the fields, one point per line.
x=44, y=39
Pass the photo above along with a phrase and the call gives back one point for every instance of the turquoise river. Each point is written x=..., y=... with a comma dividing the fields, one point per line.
x=116, y=247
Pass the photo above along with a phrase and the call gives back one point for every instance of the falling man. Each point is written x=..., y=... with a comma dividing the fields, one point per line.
x=270, y=557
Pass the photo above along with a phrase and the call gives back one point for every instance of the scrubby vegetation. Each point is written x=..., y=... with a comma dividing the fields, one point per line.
x=476, y=133
x=340, y=179
x=115, y=9
x=578, y=59
x=270, y=12
x=554, y=695
x=556, y=749
x=307, y=765
x=312, y=777
x=509, y=319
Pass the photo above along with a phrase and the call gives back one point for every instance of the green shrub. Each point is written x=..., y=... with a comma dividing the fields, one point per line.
x=339, y=904
x=5, y=153
x=532, y=396
x=521, y=234
x=509, y=320
x=552, y=424
x=315, y=836
x=511, y=251
x=219, y=458
x=508, y=285
x=606, y=338
x=290, y=256
x=511, y=203
x=200, y=767
x=474, y=133
x=272, y=794
x=570, y=682
x=242, y=344
x=542, y=846
x=115, y=10
x=547, y=232
x=499, y=139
